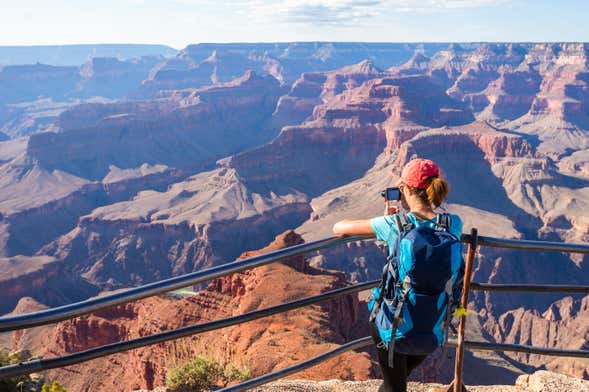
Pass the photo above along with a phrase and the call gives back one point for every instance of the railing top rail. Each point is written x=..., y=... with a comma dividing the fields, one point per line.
x=546, y=246
x=530, y=288
x=65, y=312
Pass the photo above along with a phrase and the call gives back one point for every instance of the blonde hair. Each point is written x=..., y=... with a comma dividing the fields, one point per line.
x=436, y=192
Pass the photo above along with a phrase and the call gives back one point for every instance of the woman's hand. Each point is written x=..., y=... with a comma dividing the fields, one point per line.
x=390, y=209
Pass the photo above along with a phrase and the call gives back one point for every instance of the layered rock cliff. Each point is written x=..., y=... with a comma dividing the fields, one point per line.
x=258, y=345
x=345, y=134
x=42, y=278
x=203, y=64
x=253, y=195
x=127, y=147
x=538, y=89
x=563, y=325
x=203, y=221
x=213, y=123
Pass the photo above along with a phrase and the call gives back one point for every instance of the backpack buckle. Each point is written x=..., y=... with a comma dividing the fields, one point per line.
x=382, y=345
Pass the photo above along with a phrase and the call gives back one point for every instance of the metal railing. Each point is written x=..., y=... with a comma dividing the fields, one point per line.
x=474, y=241
x=65, y=312
x=38, y=365
x=84, y=307
x=81, y=308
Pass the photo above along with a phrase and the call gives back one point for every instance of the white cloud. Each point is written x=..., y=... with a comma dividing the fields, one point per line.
x=326, y=12
x=313, y=11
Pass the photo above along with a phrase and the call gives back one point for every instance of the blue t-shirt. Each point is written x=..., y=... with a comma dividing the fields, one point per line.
x=385, y=227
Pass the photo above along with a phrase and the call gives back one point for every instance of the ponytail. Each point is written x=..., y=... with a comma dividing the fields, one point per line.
x=437, y=191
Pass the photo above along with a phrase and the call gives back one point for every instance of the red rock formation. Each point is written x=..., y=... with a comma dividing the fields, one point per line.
x=261, y=346
x=313, y=89
x=542, y=88
x=21, y=275
x=474, y=138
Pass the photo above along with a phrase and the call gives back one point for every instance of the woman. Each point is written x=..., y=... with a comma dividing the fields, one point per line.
x=422, y=191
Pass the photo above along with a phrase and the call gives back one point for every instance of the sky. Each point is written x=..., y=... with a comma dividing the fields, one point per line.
x=178, y=23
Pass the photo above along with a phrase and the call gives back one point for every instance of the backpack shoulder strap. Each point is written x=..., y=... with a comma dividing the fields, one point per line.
x=400, y=303
x=443, y=222
x=403, y=222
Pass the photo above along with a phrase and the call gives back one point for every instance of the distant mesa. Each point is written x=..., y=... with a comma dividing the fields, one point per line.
x=66, y=55
x=363, y=67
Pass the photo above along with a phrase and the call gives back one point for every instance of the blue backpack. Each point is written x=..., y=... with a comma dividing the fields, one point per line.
x=420, y=287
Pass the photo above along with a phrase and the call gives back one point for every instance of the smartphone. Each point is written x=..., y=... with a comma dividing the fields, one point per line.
x=391, y=194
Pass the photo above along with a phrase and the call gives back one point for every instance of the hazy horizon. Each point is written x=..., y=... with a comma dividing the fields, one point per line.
x=285, y=42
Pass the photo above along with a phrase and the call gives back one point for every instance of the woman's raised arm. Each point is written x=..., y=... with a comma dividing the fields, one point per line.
x=348, y=227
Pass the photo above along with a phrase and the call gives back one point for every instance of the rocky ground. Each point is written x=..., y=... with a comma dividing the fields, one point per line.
x=540, y=381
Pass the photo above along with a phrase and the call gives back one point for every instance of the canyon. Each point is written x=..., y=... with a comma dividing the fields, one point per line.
x=221, y=148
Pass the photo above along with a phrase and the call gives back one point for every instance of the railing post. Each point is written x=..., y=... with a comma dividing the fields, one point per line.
x=458, y=385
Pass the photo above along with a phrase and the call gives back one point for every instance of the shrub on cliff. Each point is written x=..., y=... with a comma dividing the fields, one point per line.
x=199, y=375
x=203, y=374
x=233, y=373
x=54, y=387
